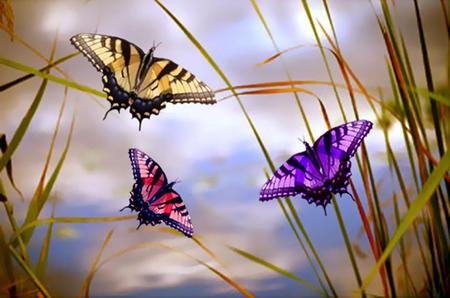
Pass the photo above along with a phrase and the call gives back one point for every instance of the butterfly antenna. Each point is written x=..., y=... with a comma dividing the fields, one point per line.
x=177, y=181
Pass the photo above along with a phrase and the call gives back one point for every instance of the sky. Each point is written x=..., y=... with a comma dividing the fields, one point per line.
x=211, y=149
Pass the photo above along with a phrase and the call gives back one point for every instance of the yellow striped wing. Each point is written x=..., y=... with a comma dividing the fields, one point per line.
x=165, y=77
x=111, y=54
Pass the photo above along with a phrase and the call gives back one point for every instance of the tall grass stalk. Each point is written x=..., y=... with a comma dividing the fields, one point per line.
x=286, y=70
x=308, y=127
x=22, y=79
x=84, y=291
x=440, y=260
x=365, y=169
x=27, y=268
x=230, y=86
x=39, y=201
x=415, y=209
x=9, y=209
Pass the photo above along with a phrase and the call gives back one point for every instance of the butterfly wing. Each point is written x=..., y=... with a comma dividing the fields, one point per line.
x=170, y=208
x=118, y=60
x=164, y=82
x=149, y=178
x=335, y=148
x=181, y=86
x=297, y=175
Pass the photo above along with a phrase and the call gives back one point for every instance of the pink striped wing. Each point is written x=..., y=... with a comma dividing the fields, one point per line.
x=172, y=210
x=148, y=174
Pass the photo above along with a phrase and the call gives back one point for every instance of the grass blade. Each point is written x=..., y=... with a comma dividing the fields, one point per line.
x=9, y=171
x=416, y=207
x=29, y=76
x=288, y=75
x=43, y=257
x=5, y=257
x=9, y=209
x=58, y=80
x=29, y=271
x=7, y=17
x=429, y=78
x=23, y=126
x=36, y=206
x=45, y=221
x=302, y=245
x=433, y=95
x=228, y=280
x=275, y=268
x=324, y=58
x=87, y=282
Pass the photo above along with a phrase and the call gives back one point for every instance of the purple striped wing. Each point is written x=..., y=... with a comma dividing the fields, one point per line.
x=320, y=170
x=339, y=144
x=297, y=174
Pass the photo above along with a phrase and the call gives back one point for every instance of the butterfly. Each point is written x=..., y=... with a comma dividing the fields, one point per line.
x=153, y=198
x=139, y=80
x=322, y=169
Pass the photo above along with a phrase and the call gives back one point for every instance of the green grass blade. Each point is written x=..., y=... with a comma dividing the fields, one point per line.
x=311, y=246
x=433, y=95
x=87, y=282
x=224, y=78
x=302, y=245
x=45, y=221
x=29, y=272
x=227, y=82
x=347, y=243
x=275, y=268
x=5, y=258
x=416, y=207
x=405, y=135
x=403, y=256
x=324, y=57
x=58, y=80
x=429, y=78
x=23, y=126
x=297, y=98
x=227, y=279
x=30, y=75
x=291, y=208
x=43, y=257
x=9, y=209
x=9, y=170
x=36, y=206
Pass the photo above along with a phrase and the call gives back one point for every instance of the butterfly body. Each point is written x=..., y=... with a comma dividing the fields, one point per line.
x=138, y=80
x=154, y=198
x=320, y=170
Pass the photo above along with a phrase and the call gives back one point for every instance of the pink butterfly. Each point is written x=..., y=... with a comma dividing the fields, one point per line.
x=154, y=198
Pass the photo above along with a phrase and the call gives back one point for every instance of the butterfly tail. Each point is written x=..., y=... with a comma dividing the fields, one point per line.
x=110, y=109
x=124, y=208
x=346, y=192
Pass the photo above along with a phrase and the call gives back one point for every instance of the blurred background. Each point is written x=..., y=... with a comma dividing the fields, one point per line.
x=211, y=149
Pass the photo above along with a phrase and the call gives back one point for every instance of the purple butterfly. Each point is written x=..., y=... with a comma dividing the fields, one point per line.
x=154, y=198
x=322, y=169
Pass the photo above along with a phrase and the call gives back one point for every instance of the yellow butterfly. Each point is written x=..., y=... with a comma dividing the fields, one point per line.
x=139, y=80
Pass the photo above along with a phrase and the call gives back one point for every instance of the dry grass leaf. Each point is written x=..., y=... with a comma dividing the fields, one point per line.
x=7, y=17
